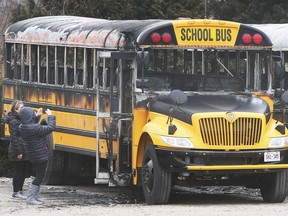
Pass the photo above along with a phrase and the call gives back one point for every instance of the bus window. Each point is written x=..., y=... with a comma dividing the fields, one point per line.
x=17, y=60
x=79, y=66
x=24, y=63
x=42, y=63
x=33, y=75
x=60, y=65
x=13, y=61
x=8, y=60
x=51, y=65
x=89, y=67
x=70, y=66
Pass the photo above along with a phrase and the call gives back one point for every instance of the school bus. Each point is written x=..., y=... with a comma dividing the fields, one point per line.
x=155, y=103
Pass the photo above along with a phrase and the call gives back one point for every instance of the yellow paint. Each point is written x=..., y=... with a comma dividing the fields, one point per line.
x=140, y=119
x=206, y=33
x=82, y=143
x=74, y=120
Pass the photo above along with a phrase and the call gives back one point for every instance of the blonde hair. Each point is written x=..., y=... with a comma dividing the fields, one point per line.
x=15, y=105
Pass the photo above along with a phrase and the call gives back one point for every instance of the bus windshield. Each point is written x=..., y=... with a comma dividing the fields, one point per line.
x=205, y=70
x=205, y=56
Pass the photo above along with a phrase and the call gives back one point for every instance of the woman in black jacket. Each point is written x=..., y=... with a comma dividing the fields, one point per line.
x=36, y=147
x=16, y=152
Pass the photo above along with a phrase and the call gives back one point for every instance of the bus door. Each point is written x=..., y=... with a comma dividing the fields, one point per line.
x=114, y=72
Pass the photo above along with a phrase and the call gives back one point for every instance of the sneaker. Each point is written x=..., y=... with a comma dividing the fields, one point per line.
x=18, y=195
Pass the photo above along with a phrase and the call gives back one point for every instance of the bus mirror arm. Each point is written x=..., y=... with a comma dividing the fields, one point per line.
x=171, y=128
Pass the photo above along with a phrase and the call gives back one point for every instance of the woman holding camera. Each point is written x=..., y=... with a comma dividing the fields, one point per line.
x=36, y=147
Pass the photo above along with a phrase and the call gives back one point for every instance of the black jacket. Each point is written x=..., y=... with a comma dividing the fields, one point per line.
x=34, y=135
x=16, y=146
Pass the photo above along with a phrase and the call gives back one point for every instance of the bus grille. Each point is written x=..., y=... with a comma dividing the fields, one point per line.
x=221, y=132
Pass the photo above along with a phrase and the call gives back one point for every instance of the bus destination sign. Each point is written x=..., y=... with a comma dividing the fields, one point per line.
x=206, y=34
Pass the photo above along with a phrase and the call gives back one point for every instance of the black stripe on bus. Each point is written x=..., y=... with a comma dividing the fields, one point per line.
x=73, y=131
x=54, y=107
x=35, y=85
x=83, y=133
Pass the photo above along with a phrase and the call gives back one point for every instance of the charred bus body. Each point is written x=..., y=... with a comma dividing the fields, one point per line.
x=156, y=103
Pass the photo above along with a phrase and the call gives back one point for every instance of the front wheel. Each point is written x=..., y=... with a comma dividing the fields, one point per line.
x=156, y=181
x=274, y=187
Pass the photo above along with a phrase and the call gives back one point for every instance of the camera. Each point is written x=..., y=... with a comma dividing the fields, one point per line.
x=44, y=110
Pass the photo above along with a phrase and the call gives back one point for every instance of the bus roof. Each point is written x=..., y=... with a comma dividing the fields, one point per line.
x=278, y=34
x=82, y=31
x=125, y=34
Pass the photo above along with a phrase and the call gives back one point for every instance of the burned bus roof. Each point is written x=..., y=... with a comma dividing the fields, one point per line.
x=73, y=30
x=129, y=34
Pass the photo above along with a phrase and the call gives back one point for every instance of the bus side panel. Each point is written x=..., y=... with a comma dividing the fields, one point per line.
x=75, y=115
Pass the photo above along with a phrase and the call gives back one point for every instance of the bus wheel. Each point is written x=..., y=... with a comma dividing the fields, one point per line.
x=274, y=187
x=54, y=171
x=156, y=181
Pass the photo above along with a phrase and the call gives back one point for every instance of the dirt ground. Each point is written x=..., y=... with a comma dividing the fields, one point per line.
x=104, y=200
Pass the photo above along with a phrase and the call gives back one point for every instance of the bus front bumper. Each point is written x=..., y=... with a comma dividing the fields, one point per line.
x=201, y=160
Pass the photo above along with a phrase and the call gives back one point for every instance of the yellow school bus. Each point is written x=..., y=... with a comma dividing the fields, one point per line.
x=154, y=103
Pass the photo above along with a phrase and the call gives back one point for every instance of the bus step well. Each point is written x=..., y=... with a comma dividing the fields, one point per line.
x=102, y=178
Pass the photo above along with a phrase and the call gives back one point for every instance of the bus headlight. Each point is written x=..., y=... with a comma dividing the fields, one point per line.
x=177, y=142
x=278, y=142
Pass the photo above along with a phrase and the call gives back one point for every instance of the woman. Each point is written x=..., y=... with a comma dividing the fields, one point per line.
x=16, y=152
x=36, y=147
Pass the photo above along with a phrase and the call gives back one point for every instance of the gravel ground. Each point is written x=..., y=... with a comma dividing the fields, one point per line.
x=100, y=199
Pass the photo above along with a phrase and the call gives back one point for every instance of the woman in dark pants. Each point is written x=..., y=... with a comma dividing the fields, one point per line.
x=36, y=147
x=16, y=152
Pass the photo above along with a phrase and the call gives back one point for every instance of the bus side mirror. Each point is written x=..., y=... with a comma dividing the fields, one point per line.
x=178, y=97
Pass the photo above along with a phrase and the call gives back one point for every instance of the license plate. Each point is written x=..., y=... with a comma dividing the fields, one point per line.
x=271, y=156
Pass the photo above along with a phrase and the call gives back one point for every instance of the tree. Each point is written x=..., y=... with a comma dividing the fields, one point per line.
x=246, y=11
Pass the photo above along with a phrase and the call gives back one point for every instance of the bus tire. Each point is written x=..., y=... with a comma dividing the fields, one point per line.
x=274, y=187
x=156, y=181
x=55, y=166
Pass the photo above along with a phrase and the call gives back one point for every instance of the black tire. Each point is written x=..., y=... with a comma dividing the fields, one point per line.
x=274, y=187
x=156, y=181
x=55, y=167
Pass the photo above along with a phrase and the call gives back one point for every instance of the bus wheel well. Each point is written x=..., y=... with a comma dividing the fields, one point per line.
x=144, y=141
